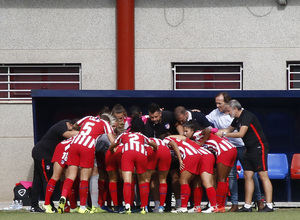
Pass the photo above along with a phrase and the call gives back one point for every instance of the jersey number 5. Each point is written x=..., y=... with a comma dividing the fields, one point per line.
x=87, y=128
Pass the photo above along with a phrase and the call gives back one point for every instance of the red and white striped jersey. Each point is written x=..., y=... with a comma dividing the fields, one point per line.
x=202, y=150
x=214, y=143
x=133, y=142
x=66, y=142
x=61, y=151
x=94, y=126
x=185, y=148
x=158, y=142
x=91, y=128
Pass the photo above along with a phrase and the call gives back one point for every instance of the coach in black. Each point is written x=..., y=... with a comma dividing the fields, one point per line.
x=255, y=158
x=42, y=154
x=160, y=123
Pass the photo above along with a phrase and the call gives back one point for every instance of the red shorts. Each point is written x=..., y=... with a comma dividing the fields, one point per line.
x=132, y=159
x=227, y=157
x=60, y=155
x=160, y=158
x=113, y=161
x=81, y=156
x=208, y=162
x=192, y=163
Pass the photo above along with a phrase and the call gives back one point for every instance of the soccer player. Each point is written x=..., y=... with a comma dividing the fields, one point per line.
x=82, y=154
x=225, y=153
x=59, y=159
x=134, y=157
x=99, y=181
x=113, y=167
x=206, y=172
x=135, y=110
x=190, y=160
x=120, y=112
x=161, y=158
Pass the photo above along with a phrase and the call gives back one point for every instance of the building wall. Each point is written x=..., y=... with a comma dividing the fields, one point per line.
x=16, y=142
x=258, y=33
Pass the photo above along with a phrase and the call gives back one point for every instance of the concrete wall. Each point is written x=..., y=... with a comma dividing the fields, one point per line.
x=16, y=142
x=258, y=33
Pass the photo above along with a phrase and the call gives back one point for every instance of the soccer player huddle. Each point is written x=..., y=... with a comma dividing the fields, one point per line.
x=116, y=158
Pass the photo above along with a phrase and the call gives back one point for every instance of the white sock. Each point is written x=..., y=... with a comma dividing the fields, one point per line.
x=270, y=205
x=247, y=206
x=94, y=190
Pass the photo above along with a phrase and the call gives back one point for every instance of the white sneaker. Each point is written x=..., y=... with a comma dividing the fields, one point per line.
x=195, y=209
x=180, y=210
x=192, y=210
x=210, y=210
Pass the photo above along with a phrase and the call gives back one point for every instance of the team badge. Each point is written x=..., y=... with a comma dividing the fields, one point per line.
x=167, y=126
x=48, y=167
x=62, y=162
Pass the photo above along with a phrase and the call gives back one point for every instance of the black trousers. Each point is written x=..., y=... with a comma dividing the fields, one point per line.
x=43, y=171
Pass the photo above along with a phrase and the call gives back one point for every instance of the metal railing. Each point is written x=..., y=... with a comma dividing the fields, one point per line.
x=208, y=76
x=17, y=80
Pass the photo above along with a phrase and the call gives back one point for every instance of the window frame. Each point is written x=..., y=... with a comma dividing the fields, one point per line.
x=208, y=64
x=16, y=81
x=290, y=73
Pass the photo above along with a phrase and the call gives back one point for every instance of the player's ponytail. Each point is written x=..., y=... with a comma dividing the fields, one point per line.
x=137, y=124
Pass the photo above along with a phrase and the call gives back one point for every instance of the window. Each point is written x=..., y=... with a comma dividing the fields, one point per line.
x=207, y=76
x=17, y=80
x=293, y=72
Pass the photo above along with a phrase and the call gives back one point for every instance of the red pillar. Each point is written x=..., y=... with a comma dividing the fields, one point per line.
x=125, y=44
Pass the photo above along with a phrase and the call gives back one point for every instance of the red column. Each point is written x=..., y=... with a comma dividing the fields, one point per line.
x=125, y=44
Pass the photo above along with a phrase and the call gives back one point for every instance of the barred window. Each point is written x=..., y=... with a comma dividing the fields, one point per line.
x=17, y=80
x=207, y=76
x=293, y=73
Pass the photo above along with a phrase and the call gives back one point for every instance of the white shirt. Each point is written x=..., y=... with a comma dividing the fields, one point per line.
x=222, y=120
x=189, y=116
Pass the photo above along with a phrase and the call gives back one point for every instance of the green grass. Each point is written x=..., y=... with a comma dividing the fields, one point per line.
x=279, y=214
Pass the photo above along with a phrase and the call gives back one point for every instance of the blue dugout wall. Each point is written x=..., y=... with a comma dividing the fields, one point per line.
x=278, y=112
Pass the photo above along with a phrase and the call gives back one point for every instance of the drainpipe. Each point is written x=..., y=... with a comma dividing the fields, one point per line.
x=125, y=44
